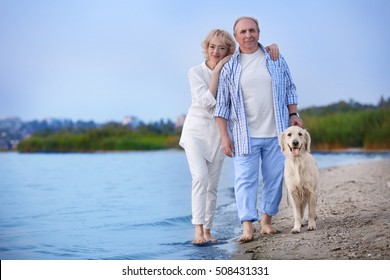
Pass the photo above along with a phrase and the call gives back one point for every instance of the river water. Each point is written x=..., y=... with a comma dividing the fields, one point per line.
x=125, y=205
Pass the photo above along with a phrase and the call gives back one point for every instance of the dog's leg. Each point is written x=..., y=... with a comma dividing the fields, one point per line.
x=312, y=212
x=303, y=207
x=297, y=216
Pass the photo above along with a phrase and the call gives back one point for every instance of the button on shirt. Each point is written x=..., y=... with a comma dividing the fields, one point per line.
x=230, y=100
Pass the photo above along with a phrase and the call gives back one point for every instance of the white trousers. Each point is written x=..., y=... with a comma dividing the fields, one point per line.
x=205, y=179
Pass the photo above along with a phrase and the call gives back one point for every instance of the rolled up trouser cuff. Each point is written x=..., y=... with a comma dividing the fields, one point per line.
x=249, y=215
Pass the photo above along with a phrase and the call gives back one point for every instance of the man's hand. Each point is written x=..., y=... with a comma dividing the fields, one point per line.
x=295, y=120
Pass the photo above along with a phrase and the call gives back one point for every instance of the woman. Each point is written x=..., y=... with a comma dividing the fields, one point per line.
x=200, y=136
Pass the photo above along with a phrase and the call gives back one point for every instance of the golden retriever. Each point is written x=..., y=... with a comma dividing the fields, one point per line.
x=300, y=175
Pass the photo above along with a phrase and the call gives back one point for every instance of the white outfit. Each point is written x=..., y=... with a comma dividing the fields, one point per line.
x=202, y=143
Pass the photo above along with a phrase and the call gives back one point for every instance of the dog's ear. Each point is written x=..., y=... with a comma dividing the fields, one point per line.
x=281, y=139
x=308, y=140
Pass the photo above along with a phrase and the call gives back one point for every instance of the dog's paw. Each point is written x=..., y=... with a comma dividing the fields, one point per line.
x=295, y=230
x=312, y=226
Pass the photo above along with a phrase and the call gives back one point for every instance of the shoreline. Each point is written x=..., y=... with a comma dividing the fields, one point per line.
x=313, y=150
x=350, y=150
x=353, y=222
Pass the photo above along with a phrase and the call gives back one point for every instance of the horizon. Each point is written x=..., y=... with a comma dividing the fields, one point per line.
x=179, y=116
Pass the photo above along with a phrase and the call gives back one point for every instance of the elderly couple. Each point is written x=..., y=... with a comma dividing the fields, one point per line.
x=241, y=101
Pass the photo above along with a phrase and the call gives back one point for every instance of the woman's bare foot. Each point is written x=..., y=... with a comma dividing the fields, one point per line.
x=199, y=238
x=266, y=227
x=207, y=235
x=247, y=232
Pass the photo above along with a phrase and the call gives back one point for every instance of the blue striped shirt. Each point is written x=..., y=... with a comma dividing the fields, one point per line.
x=230, y=103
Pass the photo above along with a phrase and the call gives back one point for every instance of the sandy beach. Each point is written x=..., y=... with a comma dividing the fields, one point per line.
x=353, y=220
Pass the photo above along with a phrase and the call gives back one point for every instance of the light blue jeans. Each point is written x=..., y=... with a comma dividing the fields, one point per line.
x=246, y=168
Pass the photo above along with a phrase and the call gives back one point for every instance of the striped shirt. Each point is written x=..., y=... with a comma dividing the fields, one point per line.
x=230, y=103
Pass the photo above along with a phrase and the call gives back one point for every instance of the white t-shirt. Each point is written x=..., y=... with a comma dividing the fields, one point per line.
x=256, y=86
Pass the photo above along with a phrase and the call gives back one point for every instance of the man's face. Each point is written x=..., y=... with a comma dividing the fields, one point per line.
x=247, y=35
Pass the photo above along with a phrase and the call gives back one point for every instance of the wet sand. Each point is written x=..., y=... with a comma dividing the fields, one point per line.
x=353, y=220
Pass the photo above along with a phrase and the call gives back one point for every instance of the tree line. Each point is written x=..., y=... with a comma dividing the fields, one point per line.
x=111, y=137
x=348, y=126
x=337, y=126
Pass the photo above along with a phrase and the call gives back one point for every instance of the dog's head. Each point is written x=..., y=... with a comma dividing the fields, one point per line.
x=295, y=141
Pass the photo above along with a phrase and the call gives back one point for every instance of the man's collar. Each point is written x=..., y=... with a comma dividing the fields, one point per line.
x=238, y=52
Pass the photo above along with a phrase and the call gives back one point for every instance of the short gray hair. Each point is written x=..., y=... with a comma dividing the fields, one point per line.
x=245, y=17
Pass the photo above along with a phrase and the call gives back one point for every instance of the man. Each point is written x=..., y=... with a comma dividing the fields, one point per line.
x=257, y=99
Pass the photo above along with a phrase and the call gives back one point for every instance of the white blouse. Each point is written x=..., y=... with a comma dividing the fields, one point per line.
x=200, y=130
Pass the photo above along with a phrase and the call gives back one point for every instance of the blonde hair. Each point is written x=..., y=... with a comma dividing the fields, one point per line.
x=245, y=17
x=224, y=35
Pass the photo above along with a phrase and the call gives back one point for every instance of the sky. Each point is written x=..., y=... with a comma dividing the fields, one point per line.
x=102, y=60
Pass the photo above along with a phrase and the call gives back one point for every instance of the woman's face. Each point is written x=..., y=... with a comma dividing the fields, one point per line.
x=216, y=50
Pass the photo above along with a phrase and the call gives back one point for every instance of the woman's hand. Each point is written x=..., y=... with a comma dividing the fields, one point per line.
x=273, y=51
x=222, y=62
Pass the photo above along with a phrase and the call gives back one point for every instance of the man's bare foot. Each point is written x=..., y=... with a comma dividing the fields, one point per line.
x=199, y=238
x=266, y=227
x=247, y=232
x=207, y=235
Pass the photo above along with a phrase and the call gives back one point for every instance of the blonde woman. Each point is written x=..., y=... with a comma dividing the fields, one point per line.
x=200, y=136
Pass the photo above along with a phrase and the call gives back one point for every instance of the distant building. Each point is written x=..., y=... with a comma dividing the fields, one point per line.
x=131, y=121
x=11, y=124
x=11, y=132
